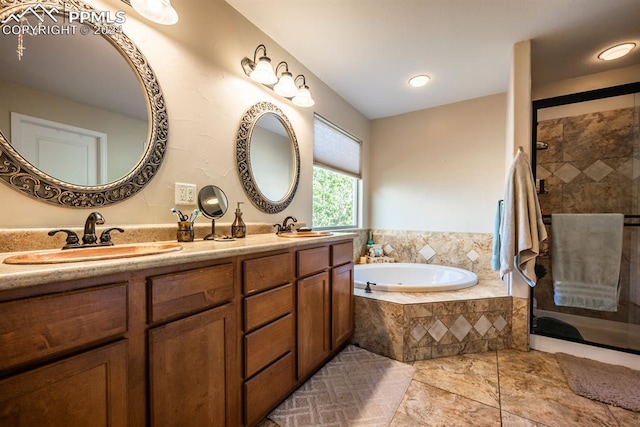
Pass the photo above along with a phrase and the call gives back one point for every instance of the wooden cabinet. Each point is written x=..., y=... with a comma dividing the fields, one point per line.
x=56, y=362
x=342, y=305
x=314, y=322
x=210, y=343
x=269, y=333
x=325, y=306
x=190, y=364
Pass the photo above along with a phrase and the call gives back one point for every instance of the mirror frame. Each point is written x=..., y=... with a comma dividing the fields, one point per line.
x=20, y=175
x=243, y=157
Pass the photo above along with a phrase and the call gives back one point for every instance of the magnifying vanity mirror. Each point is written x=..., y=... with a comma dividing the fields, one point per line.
x=213, y=203
x=268, y=157
x=76, y=132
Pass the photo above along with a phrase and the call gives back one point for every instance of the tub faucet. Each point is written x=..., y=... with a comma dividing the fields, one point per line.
x=89, y=237
x=285, y=228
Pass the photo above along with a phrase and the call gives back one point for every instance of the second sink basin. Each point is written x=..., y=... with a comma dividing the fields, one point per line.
x=93, y=253
x=301, y=234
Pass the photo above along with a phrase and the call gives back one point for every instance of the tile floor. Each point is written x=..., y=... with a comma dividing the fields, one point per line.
x=507, y=388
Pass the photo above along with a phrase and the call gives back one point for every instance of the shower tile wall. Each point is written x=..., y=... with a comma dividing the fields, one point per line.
x=592, y=165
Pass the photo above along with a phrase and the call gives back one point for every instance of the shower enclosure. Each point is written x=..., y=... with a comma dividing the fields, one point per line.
x=586, y=157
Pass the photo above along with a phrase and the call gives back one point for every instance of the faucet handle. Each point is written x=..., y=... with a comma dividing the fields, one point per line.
x=72, y=238
x=278, y=228
x=105, y=237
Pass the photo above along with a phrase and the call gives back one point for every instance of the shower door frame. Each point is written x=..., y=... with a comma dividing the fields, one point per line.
x=591, y=95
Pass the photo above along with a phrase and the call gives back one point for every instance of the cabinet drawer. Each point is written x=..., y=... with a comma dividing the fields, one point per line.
x=172, y=295
x=341, y=253
x=263, y=308
x=37, y=328
x=267, y=344
x=267, y=389
x=266, y=272
x=313, y=260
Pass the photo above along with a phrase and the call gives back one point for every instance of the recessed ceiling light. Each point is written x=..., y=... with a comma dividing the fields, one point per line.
x=617, y=51
x=419, y=80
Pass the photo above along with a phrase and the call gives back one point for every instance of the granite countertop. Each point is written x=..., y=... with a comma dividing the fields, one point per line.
x=14, y=276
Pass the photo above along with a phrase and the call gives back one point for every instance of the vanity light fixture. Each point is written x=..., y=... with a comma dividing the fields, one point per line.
x=303, y=97
x=419, y=80
x=286, y=86
x=262, y=70
x=158, y=11
x=259, y=69
x=617, y=51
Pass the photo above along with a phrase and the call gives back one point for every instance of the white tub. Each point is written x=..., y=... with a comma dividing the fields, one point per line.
x=408, y=277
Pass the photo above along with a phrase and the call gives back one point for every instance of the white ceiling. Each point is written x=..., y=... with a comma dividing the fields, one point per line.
x=366, y=50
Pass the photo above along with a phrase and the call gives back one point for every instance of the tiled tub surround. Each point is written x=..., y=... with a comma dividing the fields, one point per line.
x=421, y=326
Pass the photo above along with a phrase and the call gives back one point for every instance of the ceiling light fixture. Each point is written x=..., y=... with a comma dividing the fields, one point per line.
x=617, y=51
x=419, y=80
x=259, y=69
x=158, y=11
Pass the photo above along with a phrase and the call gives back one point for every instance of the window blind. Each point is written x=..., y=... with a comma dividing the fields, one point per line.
x=334, y=148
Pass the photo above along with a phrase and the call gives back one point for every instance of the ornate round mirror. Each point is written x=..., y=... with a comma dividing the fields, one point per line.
x=268, y=157
x=76, y=132
x=213, y=203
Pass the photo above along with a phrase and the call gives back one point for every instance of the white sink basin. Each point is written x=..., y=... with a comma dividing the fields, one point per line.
x=93, y=253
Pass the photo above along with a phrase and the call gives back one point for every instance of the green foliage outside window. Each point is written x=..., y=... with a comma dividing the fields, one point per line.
x=334, y=199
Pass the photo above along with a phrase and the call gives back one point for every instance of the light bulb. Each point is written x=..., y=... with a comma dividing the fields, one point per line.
x=616, y=52
x=286, y=86
x=263, y=72
x=419, y=80
x=159, y=11
x=303, y=98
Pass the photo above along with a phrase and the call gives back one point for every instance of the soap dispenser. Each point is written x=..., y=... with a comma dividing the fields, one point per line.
x=238, y=228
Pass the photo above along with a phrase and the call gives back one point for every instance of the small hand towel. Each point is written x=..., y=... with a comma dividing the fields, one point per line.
x=522, y=230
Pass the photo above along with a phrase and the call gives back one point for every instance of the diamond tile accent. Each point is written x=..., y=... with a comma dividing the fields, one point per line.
x=630, y=168
x=567, y=172
x=500, y=323
x=388, y=249
x=418, y=332
x=427, y=252
x=482, y=325
x=437, y=330
x=460, y=328
x=473, y=255
x=598, y=170
x=542, y=173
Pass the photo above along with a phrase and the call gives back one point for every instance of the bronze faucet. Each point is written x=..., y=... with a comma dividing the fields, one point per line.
x=284, y=227
x=89, y=238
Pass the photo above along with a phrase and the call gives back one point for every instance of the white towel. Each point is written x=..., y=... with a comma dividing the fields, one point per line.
x=586, y=254
x=522, y=230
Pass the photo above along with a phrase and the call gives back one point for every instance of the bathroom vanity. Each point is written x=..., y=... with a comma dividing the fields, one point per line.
x=218, y=333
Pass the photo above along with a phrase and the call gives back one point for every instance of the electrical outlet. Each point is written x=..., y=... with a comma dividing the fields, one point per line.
x=185, y=194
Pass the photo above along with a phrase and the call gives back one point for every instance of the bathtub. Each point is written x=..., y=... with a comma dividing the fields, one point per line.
x=408, y=277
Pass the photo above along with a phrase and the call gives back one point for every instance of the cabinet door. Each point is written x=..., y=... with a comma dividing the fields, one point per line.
x=314, y=319
x=192, y=365
x=342, y=304
x=85, y=390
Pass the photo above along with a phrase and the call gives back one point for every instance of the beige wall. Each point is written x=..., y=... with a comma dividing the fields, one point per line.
x=197, y=63
x=440, y=169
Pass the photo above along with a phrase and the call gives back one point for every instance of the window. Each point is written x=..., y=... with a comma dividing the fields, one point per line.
x=336, y=176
